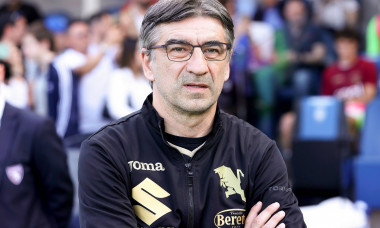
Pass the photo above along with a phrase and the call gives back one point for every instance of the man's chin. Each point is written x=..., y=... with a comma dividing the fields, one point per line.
x=196, y=107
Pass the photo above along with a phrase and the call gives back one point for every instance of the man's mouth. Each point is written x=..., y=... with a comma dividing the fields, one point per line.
x=196, y=85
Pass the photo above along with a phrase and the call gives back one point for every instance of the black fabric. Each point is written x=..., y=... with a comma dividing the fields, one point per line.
x=44, y=196
x=184, y=142
x=53, y=92
x=73, y=125
x=128, y=164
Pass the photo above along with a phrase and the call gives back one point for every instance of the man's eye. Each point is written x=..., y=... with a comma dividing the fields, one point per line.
x=178, y=49
x=212, y=50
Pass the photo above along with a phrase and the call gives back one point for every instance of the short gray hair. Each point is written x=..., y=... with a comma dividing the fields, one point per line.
x=167, y=11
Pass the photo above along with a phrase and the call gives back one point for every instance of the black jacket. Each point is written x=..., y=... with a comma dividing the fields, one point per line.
x=130, y=177
x=35, y=185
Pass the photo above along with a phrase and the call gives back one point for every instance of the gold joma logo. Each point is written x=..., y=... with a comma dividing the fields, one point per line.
x=230, y=182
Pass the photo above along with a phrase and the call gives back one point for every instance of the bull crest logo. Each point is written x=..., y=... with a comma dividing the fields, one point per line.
x=230, y=182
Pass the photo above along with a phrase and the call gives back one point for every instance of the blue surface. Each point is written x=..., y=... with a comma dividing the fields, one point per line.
x=319, y=118
x=367, y=164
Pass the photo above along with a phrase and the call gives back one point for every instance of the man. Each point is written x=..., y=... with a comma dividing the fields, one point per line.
x=12, y=28
x=180, y=161
x=351, y=79
x=35, y=185
x=306, y=48
x=83, y=79
x=133, y=12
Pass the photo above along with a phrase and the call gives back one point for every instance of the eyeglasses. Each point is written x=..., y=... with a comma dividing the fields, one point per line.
x=179, y=52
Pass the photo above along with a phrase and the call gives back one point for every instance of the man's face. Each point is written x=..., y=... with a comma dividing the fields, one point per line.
x=295, y=13
x=78, y=36
x=192, y=86
x=346, y=48
x=30, y=46
x=18, y=30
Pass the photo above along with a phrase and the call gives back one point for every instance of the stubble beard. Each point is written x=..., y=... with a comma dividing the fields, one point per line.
x=189, y=104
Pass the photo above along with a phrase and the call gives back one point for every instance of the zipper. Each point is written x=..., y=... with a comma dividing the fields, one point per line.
x=189, y=171
x=191, y=200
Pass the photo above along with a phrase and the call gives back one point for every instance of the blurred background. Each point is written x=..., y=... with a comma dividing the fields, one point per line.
x=305, y=72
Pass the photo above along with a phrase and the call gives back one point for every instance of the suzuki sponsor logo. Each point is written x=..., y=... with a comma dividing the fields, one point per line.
x=234, y=218
x=147, y=194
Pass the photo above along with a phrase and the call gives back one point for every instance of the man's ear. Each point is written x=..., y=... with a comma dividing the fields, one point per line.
x=2, y=73
x=227, y=73
x=146, y=61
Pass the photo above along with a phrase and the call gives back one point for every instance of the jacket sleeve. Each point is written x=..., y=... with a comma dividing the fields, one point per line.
x=50, y=165
x=271, y=185
x=103, y=190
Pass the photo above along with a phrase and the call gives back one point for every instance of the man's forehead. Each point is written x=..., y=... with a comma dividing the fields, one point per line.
x=193, y=29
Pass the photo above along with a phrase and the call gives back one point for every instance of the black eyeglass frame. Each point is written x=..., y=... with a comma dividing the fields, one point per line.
x=229, y=46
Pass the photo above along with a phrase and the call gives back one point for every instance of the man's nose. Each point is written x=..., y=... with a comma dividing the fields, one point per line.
x=197, y=64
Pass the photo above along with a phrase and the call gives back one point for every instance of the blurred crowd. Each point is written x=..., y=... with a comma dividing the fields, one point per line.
x=85, y=72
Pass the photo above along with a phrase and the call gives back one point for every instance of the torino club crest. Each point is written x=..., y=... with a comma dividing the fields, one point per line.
x=230, y=182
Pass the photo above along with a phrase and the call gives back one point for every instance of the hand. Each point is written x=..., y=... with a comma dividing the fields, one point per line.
x=264, y=220
x=292, y=56
x=113, y=36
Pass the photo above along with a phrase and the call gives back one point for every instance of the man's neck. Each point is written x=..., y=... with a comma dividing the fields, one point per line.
x=45, y=59
x=8, y=41
x=186, y=125
x=347, y=62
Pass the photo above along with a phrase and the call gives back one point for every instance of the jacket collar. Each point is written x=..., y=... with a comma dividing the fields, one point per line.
x=157, y=122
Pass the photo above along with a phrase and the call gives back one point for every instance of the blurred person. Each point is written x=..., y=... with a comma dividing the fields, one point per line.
x=306, y=49
x=373, y=41
x=12, y=29
x=57, y=24
x=269, y=11
x=127, y=24
x=351, y=79
x=84, y=78
x=128, y=88
x=173, y=163
x=246, y=7
x=269, y=61
x=35, y=185
x=38, y=46
x=335, y=15
x=135, y=10
x=236, y=97
x=30, y=11
x=100, y=23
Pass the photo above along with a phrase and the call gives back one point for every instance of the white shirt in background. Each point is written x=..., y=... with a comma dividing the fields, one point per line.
x=64, y=63
x=333, y=14
x=93, y=89
x=16, y=92
x=126, y=93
